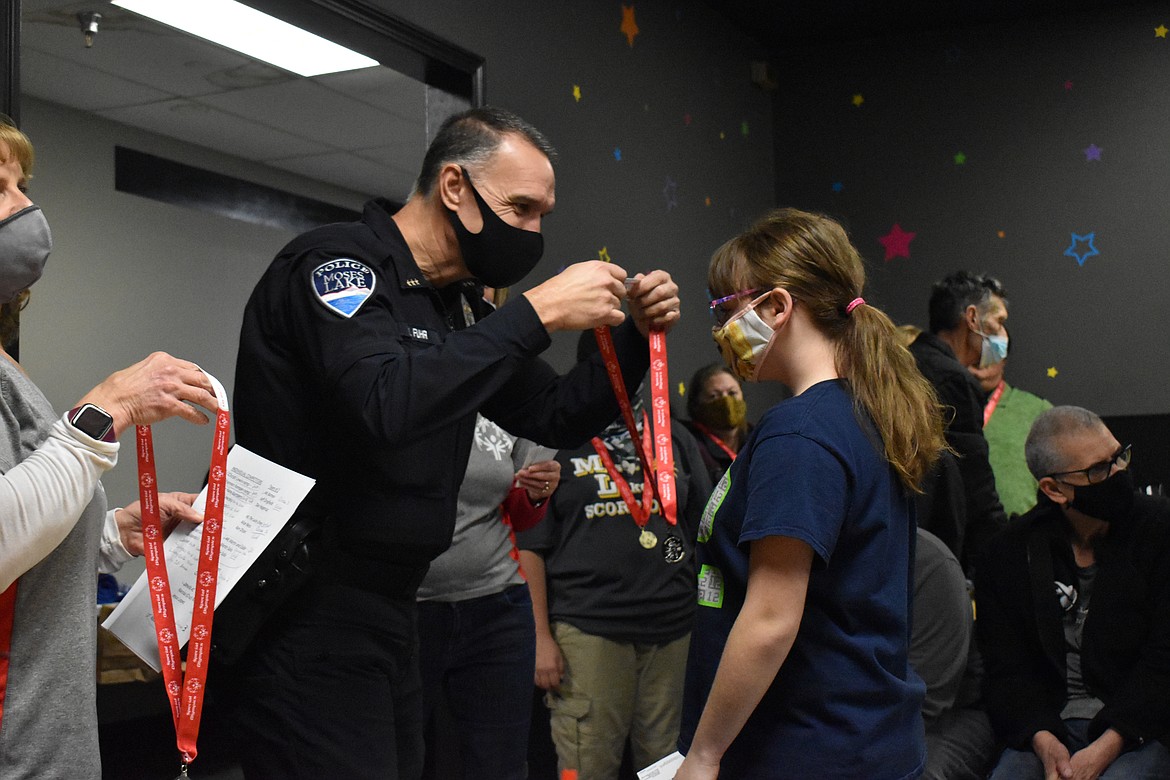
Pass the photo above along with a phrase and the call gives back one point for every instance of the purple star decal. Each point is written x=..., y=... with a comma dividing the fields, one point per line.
x=1085, y=254
x=1093, y=152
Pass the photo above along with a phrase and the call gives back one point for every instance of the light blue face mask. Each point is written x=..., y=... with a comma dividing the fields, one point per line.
x=994, y=349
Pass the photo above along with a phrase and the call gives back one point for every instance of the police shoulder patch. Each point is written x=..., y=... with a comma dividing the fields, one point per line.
x=343, y=285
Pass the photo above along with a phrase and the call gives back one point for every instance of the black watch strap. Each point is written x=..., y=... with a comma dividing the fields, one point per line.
x=94, y=421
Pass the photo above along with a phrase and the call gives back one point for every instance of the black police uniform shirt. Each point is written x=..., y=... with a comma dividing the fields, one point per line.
x=356, y=371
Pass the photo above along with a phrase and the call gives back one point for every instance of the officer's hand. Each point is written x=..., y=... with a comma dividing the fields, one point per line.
x=584, y=295
x=654, y=302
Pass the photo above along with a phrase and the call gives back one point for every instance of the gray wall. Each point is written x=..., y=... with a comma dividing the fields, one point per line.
x=686, y=60
x=130, y=275
x=997, y=94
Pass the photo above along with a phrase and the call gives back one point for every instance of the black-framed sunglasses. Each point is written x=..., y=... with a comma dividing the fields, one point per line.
x=1099, y=472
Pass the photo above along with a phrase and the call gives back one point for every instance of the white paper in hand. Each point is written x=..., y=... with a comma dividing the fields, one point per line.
x=663, y=769
x=260, y=498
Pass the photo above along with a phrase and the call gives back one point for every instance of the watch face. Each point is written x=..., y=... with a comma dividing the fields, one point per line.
x=93, y=421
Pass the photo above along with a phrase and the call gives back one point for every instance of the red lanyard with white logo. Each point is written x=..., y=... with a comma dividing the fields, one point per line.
x=640, y=513
x=660, y=475
x=185, y=691
x=992, y=402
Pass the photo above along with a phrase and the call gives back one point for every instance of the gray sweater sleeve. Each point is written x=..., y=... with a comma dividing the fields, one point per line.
x=42, y=497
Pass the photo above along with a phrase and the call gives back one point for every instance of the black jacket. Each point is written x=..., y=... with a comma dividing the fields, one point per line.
x=959, y=393
x=1125, y=648
x=379, y=405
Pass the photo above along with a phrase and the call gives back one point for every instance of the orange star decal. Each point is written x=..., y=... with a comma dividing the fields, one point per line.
x=629, y=27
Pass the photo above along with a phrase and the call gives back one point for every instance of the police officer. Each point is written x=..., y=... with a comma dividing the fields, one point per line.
x=365, y=354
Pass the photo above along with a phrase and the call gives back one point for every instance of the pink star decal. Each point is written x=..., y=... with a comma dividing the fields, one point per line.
x=897, y=242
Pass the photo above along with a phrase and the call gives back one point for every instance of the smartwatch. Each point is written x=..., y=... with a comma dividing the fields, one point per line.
x=94, y=421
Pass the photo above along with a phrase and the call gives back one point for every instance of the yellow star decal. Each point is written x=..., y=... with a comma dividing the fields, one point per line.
x=682, y=388
x=603, y=255
x=858, y=100
x=1052, y=372
x=629, y=26
x=1160, y=31
x=577, y=93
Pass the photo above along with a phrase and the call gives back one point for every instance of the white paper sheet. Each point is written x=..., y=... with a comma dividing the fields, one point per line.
x=663, y=769
x=260, y=498
x=538, y=454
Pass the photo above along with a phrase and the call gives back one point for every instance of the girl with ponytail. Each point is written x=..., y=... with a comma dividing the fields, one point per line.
x=799, y=659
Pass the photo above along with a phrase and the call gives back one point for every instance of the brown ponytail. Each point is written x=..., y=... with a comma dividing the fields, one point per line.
x=811, y=256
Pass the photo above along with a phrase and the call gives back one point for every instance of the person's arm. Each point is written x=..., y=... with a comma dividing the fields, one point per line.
x=527, y=503
x=394, y=392
x=1018, y=687
x=122, y=534
x=1093, y=759
x=42, y=497
x=757, y=646
x=550, y=664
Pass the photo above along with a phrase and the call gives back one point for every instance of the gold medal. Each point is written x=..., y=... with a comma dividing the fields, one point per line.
x=647, y=539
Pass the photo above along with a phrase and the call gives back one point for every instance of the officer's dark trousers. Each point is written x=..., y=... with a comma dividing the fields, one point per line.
x=333, y=691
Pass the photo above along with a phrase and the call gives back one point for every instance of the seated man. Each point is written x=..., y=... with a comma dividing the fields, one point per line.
x=1074, y=694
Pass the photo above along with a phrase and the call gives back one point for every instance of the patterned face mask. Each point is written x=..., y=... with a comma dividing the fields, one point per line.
x=744, y=342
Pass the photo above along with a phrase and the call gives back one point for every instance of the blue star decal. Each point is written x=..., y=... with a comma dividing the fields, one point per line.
x=838, y=186
x=617, y=154
x=670, y=193
x=1083, y=255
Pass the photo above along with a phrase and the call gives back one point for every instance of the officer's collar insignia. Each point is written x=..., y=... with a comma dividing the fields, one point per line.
x=343, y=285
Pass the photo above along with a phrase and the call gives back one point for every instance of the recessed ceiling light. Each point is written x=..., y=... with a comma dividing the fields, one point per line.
x=253, y=33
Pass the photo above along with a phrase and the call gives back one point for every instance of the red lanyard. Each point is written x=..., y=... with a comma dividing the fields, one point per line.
x=718, y=442
x=185, y=691
x=661, y=475
x=992, y=402
x=7, y=616
x=640, y=513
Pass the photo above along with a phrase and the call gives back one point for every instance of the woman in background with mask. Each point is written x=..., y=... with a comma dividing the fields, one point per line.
x=718, y=417
x=811, y=529
x=55, y=531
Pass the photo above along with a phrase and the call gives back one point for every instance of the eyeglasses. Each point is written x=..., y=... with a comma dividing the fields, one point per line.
x=1099, y=472
x=722, y=315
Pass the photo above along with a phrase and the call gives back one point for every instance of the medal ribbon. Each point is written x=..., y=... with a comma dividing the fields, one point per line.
x=640, y=513
x=660, y=475
x=185, y=691
x=718, y=442
x=992, y=402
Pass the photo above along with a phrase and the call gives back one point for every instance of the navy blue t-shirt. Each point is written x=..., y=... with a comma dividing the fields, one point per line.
x=846, y=703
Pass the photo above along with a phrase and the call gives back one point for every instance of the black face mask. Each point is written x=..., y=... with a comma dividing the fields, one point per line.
x=499, y=255
x=1107, y=501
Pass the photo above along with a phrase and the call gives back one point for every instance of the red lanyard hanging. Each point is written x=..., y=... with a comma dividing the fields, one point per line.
x=185, y=691
x=718, y=442
x=640, y=512
x=660, y=476
x=7, y=617
x=992, y=402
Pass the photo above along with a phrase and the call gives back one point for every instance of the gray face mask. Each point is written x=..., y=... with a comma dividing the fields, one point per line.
x=25, y=243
